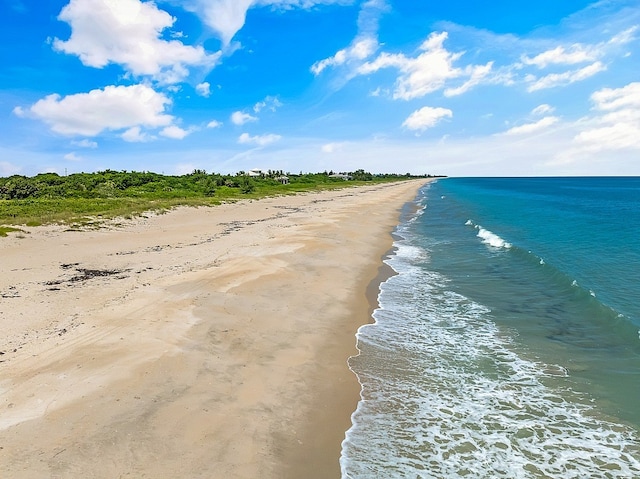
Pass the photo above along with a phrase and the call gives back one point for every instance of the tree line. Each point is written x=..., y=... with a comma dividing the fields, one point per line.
x=110, y=183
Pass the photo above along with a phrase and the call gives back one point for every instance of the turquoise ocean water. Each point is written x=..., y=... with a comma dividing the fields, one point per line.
x=508, y=344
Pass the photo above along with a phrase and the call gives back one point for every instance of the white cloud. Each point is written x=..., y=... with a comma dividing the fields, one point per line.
x=271, y=103
x=616, y=136
x=72, y=157
x=591, y=55
x=542, y=110
x=363, y=46
x=433, y=67
x=426, y=117
x=332, y=147
x=214, y=124
x=174, y=132
x=227, y=17
x=359, y=50
x=476, y=73
x=566, y=78
x=619, y=127
x=577, y=53
x=534, y=127
x=128, y=33
x=613, y=128
x=289, y=4
x=240, y=118
x=85, y=143
x=624, y=115
x=613, y=99
x=583, y=60
x=114, y=108
x=260, y=140
x=427, y=72
x=203, y=89
x=136, y=135
x=624, y=37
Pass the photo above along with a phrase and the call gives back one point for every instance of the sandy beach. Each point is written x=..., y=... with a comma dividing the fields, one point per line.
x=200, y=343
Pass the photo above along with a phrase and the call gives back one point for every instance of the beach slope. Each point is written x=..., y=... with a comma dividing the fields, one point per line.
x=205, y=342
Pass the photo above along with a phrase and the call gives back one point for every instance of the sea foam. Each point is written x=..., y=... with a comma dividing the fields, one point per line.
x=446, y=395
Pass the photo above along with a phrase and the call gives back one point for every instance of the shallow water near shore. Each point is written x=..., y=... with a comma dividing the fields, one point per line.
x=507, y=345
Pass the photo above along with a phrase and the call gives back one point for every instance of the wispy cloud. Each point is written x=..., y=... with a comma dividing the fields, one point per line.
x=85, y=143
x=560, y=56
x=477, y=75
x=533, y=127
x=332, y=147
x=271, y=103
x=542, y=109
x=227, y=17
x=565, y=78
x=363, y=46
x=429, y=71
x=240, y=118
x=260, y=140
x=360, y=50
x=592, y=55
x=73, y=157
x=618, y=125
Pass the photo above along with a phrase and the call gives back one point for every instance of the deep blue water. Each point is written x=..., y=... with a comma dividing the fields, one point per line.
x=508, y=344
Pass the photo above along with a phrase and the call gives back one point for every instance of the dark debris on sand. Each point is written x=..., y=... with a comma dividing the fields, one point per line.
x=85, y=274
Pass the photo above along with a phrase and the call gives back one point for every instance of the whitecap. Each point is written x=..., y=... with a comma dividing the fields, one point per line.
x=492, y=239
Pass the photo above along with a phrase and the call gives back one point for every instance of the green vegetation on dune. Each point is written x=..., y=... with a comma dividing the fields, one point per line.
x=84, y=199
x=7, y=229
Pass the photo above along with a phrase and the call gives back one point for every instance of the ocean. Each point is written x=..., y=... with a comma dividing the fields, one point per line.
x=508, y=343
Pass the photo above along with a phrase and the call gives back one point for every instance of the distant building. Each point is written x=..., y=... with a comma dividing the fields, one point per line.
x=342, y=176
x=283, y=179
x=256, y=172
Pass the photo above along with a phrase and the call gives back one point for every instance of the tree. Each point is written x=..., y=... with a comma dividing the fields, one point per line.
x=247, y=185
x=18, y=188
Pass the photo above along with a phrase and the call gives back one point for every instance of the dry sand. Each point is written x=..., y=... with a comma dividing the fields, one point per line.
x=203, y=343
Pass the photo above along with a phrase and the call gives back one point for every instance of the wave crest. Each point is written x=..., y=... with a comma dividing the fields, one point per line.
x=488, y=237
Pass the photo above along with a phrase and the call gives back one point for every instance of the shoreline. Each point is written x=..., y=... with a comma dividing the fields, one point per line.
x=373, y=288
x=209, y=342
x=319, y=446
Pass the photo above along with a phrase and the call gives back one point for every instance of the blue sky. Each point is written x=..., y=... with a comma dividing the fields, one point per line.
x=502, y=89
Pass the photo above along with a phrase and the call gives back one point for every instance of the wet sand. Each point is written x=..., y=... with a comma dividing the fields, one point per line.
x=208, y=342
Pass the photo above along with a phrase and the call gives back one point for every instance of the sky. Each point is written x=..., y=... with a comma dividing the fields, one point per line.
x=458, y=88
